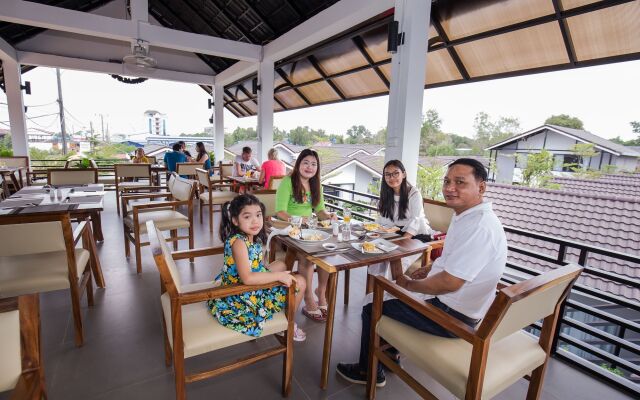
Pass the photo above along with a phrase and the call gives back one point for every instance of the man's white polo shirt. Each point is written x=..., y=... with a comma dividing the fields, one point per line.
x=475, y=249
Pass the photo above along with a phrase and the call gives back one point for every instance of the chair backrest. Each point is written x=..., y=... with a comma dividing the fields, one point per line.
x=133, y=171
x=15, y=161
x=203, y=177
x=164, y=261
x=171, y=180
x=11, y=365
x=182, y=189
x=93, y=163
x=152, y=159
x=188, y=169
x=274, y=181
x=518, y=306
x=268, y=198
x=60, y=176
x=31, y=234
x=438, y=214
x=226, y=170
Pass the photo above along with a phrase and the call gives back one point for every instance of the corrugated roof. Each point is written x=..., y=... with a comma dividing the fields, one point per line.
x=605, y=221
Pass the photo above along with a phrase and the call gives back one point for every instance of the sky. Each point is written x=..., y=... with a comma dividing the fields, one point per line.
x=606, y=98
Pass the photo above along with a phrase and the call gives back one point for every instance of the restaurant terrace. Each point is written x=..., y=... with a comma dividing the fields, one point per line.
x=105, y=268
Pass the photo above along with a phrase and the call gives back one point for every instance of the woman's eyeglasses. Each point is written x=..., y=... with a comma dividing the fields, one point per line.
x=392, y=174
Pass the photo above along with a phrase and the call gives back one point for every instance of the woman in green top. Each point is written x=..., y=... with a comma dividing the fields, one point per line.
x=300, y=194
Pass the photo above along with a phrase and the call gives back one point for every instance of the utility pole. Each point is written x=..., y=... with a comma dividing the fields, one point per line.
x=62, y=126
x=102, y=125
x=92, y=139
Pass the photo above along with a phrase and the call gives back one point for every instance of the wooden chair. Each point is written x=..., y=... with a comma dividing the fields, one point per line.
x=484, y=361
x=15, y=162
x=212, y=193
x=20, y=346
x=165, y=214
x=225, y=170
x=188, y=169
x=61, y=176
x=268, y=198
x=275, y=181
x=126, y=175
x=39, y=254
x=191, y=330
x=438, y=213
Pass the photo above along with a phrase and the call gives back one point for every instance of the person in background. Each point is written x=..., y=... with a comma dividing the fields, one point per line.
x=272, y=167
x=245, y=162
x=140, y=157
x=183, y=149
x=173, y=157
x=203, y=157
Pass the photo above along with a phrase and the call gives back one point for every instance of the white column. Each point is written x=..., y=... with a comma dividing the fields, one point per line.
x=407, y=85
x=140, y=10
x=12, y=81
x=218, y=120
x=266, y=79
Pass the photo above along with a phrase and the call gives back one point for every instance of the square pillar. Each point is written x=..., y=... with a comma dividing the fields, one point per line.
x=266, y=78
x=218, y=120
x=15, y=101
x=407, y=85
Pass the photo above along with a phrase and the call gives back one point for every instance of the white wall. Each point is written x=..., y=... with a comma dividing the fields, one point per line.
x=624, y=163
x=556, y=141
x=534, y=142
x=505, y=164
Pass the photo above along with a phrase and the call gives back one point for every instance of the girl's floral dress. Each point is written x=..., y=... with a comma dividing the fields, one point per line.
x=246, y=313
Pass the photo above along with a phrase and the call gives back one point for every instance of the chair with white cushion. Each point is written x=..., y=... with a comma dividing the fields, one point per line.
x=212, y=193
x=268, y=198
x=131, y=176
x=39, y=254
x=165, y=214
x=21, y=370
x=72, y=176
x=481, y=362
x=190, y=329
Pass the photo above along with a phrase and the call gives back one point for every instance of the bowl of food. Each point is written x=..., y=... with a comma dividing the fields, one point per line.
x=295, y=232
x=312, y=235
x=325, y=223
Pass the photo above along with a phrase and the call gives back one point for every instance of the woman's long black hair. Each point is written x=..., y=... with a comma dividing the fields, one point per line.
x=314, y=181
x=387, y=202
x=232, y=209
x=201, y=150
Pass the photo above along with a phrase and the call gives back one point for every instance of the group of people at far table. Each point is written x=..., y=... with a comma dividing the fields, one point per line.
x=461, y=282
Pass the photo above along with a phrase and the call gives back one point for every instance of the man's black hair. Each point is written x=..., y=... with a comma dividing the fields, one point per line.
x=246, y=149
x=176, y=146
x=479, y=171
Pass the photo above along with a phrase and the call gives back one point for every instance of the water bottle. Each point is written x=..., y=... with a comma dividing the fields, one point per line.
x=346, y=232
x=336, y=228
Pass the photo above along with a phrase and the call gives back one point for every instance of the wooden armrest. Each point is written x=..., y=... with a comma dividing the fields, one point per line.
x=501, y=286
x=77, y=233
x=28, y=386
x=224, y=291
x=159, y=204
x=437, y=244
x=435, y=314
x=220, y=185
x=194, y=253
x=146, y=187
x=127, y=197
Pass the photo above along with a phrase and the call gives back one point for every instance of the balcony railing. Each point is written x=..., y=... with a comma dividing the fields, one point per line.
x=599, y=332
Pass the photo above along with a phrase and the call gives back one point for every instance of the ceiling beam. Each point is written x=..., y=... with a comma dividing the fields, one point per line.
x=452, y=51
x=316, y=65
x=60, y=19
x=362, y=47
x=7, y=51
x=54, y=61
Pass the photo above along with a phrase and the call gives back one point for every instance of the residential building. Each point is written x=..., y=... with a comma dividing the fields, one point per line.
x=156, y=122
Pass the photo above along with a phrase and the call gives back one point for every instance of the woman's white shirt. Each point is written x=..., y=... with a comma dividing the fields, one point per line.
x=415, y=222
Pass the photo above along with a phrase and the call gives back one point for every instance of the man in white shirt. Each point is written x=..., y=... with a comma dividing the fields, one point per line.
x=245, y=162
x=462, y=282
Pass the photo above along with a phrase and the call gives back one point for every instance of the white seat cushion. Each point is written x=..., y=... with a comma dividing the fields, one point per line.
x=40, y=272
x=447, y=360
x=202, y=333
x=218, y=197
x=107, y=179
x=11, y=365
x=164, y=219
x=133, y=184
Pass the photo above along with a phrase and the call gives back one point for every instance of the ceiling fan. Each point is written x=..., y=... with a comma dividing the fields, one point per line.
x=140, y=55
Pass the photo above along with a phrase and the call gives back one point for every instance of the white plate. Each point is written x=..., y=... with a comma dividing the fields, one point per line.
x=385, y=245
x=330, y=246
x=358, y=246
x=309, y=232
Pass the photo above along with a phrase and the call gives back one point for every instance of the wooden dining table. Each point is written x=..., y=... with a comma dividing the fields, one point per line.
x=81, y=201
x=243, y=181
x=344, y=258
x=9, y=173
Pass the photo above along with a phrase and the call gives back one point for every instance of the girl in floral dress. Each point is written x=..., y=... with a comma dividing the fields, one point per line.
x=242, y=231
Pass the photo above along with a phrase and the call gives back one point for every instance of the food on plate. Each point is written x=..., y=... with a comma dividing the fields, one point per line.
x=373, y=235
x=392, y=229
x=325, y=223
x=313, y=236
x=294, y=232
x=368, y=247
x=371, y=226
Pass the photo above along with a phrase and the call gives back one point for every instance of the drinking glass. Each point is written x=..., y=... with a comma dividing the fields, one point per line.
x=312, y=222
x=295, y=221
x=347, y=215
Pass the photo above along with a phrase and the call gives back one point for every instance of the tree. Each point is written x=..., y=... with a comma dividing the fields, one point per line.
x=301, y=136
x=380, y=137
x=488, y=132
x=537, y=173
x=432, y=140
x=635, y=126
x=429, y=181
x=358, y=134
x=565, y=120
x=279, y=135
x=584, y=150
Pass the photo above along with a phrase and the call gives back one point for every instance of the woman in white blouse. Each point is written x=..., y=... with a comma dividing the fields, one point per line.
x=400, y=205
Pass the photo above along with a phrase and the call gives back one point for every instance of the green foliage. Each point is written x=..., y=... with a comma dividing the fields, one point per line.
x=615, y=371
x=635, y=127
x=199, y=134
x=337, y=139
x=380, y=137
x=374, y=188
x=584, y=150
x=106, y=151
x=489, y=132
x=359, y=134
x=430, y=182
x=6, y=149
x=537, y=173
x=302, y=136
x=609, y=169
x=565, y=120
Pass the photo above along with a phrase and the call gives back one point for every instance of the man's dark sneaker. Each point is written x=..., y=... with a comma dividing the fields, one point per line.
x=394, y=355
x=354, y=374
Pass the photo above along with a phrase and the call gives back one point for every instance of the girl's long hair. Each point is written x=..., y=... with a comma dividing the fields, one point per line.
x=232, y=209
x=314, y=181
x=387, y=202
x=201, y=150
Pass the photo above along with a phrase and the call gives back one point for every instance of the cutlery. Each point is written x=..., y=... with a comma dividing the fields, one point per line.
x=328, y=253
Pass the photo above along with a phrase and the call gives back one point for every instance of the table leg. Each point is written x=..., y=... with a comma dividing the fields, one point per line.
x=328, y=330
x=96, y=268
x=290, y=258
x=96, y=222
x=5, y=186
x=396, y=269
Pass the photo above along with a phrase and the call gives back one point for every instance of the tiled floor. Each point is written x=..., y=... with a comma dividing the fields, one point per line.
x=123, y=356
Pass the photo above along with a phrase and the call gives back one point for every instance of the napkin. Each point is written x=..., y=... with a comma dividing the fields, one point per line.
x=274, y=232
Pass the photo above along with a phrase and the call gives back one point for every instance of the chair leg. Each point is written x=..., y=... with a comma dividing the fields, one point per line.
x=167, y=345
x=347, y=275
x=192, y=259
x=127, y=250
x=90, y=290
x=178, y=368
x=174, y=234
x=535, y=384
x=118, y=200
x=77, y=317
x=138, y=252
x=210, y=217
x=287, y=364
x=201, y=206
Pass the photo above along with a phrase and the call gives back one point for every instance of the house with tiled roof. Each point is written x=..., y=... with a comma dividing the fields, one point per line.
x=510, y=155
x=608, y=185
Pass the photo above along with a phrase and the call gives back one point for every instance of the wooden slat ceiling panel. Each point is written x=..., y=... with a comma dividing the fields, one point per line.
x=569, y=4
x=303, y=72
x=342, y=56
x=319, y=92
x=440, y=68
x=290, y=99
x=461, y=19
x=523, y=49
x=608, y=32
x=376, y=43
x=359, y=84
